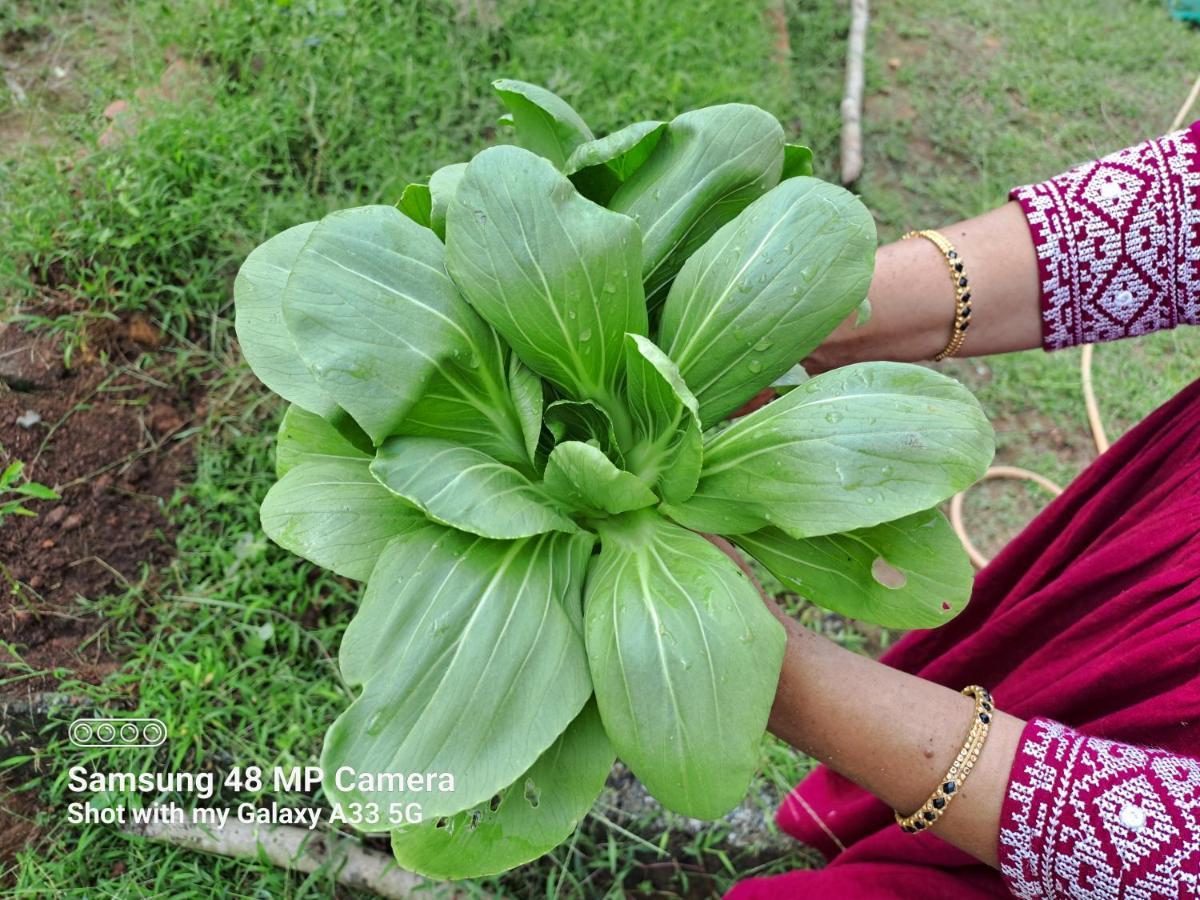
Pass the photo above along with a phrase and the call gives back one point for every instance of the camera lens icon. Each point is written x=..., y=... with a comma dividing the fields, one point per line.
x=97, y=732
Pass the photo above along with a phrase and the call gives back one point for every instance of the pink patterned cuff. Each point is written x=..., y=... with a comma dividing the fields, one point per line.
x=1118, y=242
x=1085, y=817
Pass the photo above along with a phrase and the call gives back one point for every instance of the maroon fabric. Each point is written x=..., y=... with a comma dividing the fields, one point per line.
x=1091, y=617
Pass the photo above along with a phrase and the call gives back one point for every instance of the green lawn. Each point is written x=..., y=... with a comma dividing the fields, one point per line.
x=298, y=108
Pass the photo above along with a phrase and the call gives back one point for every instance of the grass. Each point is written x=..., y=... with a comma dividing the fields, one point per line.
x=294, y=109
x=303, y=108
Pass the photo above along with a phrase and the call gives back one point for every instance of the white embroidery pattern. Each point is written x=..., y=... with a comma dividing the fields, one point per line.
x=1089, y=818
x=1118, y=242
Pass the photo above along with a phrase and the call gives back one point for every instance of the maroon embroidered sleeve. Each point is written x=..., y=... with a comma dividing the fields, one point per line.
x=1085, y=817
x=1118, y=242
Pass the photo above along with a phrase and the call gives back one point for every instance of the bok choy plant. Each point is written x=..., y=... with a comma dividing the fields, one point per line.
x=509, y=396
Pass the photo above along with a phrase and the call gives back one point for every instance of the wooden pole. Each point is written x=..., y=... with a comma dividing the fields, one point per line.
x=302, y=850
x=852, y=100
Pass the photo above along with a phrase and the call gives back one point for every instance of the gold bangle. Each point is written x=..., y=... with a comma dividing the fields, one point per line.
x=939, y=801
x=962, y=290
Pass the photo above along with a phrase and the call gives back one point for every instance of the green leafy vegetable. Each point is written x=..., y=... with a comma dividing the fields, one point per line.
x=443, y=184
x=470, y=665
x=765, y=290
x=909, y=573
x=584, y=420
x=258, y=321
x=465, y=488
x=526, y=819
x=506, y=402
x=374, y=315
x=709, y=165
x=544, y=122
x=664, y=411
x=555, y=274
x=304, y=437
x=622, y=152
x=684, y=657
x=583, y=477
x=336, y=514
x=797, y=160
x=599, y=167
x=848, y=449
x=417, y=203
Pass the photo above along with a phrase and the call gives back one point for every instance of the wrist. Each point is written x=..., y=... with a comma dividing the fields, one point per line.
x=808, y=661
x=913, y=299
x=912, y=307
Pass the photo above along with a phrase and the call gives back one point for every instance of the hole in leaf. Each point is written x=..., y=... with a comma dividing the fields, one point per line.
x=476, y=818
x=887, y=574
x=440, y=823
x=533, y=796
x=945, y=606
x=494, y=804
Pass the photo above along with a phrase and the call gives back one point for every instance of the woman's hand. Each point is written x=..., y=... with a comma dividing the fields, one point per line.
x=892, y=733
x=912, y=297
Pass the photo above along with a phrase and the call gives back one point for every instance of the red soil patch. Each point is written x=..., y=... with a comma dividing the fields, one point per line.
x=106, y=440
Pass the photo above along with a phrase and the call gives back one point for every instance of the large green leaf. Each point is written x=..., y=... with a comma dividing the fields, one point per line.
x=910, y=573
x=466, y=489
x=708, y=166
x=545, y=123
x=374, y=315
x=443, y=184
x=685, y=659
x=554, y=273
x=258, y=322
x=391, y=314
x=334, y=513
x=470, y=661
x=528, y=818
x=304, y=437
x=668, y=450
x=582, y=477
x=766, y=290
x=848, y=449
x=598, y=167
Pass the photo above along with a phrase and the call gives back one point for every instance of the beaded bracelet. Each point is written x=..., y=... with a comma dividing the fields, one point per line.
x=962, y=290
x=939, y=801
